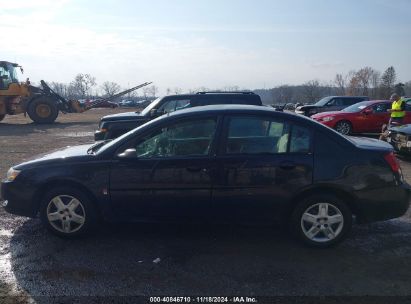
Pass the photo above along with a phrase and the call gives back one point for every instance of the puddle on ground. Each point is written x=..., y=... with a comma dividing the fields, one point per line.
x=74, y=134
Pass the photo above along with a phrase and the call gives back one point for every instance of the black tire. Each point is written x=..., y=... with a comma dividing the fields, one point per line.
x=85, y=209
x=344, y=127
x=2, y=116
x=43, y=110
x=324, y=237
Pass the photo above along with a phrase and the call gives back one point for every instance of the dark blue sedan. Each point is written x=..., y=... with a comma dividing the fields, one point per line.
x=219, y=163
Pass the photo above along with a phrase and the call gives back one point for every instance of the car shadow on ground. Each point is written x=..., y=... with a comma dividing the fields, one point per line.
x=148, y=259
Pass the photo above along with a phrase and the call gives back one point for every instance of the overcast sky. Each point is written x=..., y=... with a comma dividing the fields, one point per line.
x=209, y=43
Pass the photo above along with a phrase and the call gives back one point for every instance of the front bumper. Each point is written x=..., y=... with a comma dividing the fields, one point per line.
x=18, y=200
x=400, y=142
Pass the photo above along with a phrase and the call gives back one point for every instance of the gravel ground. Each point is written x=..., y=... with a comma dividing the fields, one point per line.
x=181, y=260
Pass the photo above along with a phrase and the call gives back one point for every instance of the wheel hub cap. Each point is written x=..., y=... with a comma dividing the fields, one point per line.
x=322, y=222
x=66, y=214
x=43, y=110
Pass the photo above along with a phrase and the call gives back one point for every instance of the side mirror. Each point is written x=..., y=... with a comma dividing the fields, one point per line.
x=367, y=111
x=129, y=153
x=153, y=112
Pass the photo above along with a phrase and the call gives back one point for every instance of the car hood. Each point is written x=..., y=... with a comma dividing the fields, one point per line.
x=369, y=143
x=307, y=107
x=65, y=154
x=324, y=114
x=406, y=129
x=123, y=116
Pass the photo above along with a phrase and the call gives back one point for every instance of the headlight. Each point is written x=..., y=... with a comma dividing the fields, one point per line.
x=328, y=118
x=12, y=174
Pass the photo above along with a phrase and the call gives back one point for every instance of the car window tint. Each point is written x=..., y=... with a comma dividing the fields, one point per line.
x=252, y=135
x=188, y=138
x=300, y=140
x=168, y=106
x=349, y=101
x=182, y=104
x=380, y=108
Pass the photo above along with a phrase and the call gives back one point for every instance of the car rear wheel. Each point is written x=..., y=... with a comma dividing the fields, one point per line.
x=343, y=127
x=321, y=221
x=67, y=212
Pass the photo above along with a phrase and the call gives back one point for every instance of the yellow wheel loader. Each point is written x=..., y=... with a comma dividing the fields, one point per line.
x=41, y=104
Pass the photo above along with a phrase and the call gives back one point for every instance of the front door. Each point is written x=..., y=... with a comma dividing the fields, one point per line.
x=170, y=174
x=261, y=165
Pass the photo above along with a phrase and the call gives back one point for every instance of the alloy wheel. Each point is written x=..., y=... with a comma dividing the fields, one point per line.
x=343, y=128
x=322, y=222
x=66, y=214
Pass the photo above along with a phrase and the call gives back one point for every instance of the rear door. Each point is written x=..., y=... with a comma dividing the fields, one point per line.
x=261, y=163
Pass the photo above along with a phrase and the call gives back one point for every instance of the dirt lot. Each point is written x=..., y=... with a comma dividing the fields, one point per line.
x=194, y=260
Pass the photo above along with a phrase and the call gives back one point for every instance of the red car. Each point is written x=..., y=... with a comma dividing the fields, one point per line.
x=362, y=117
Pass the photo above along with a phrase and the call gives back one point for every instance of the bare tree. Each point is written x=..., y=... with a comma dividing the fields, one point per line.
x=375, y=83
x=363, y=79
x=153, y=91
x=82, y=85
x=311, y=91
x=60, y=88
x=283, y=94
x=353, y=83
x=177, y=90
x=340, y=83
x=110, y=88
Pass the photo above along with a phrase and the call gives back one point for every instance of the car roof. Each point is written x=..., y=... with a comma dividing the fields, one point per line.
x=234, y=108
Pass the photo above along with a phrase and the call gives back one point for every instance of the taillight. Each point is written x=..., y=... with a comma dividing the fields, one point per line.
x=392, y=161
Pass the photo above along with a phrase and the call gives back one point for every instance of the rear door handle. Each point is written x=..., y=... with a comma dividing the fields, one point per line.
x=287, y=165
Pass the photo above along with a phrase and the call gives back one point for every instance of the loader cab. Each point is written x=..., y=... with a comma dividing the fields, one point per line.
x=8, y=74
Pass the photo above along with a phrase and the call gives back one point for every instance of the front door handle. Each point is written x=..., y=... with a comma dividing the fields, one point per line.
x=287, y=165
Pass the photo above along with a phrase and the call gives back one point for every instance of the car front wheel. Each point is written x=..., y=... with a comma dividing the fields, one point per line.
x=343, y=127
x=67, y=212
x=321, y=221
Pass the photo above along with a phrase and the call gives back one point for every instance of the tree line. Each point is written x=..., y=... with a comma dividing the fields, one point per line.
x=84, y=86
x=363, y=82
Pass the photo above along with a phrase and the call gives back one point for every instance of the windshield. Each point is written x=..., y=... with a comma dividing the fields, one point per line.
x=323, y=101
x=151, y=106
x=356, y=107
x=8, y=74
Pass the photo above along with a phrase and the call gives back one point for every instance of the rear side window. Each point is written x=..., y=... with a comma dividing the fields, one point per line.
x=300, y=140
x=253, y=135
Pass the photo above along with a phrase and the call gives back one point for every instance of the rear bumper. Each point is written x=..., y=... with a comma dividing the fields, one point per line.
x=18, y=200
x=384, y=203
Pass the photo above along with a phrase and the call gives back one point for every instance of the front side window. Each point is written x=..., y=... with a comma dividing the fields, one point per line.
x=174, y=105
x=168, y=107
x=190, y=138
x=251, y=135
x=381, y=108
